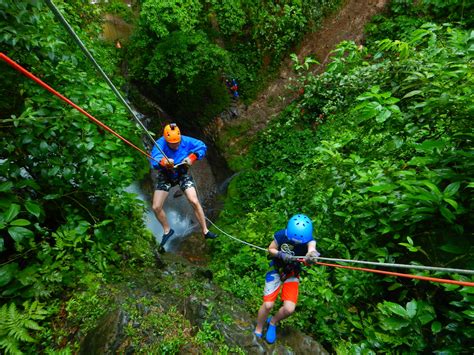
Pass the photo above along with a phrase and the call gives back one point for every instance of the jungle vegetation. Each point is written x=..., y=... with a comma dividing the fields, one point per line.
x=378, y=151
x=383, y=164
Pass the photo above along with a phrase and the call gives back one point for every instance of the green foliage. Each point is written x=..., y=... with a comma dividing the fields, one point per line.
x=383, y=166
x=170, y=16
x=406, y=16
x=187, y=47
x=119, y=8
x=64, y=212
x=15, y=325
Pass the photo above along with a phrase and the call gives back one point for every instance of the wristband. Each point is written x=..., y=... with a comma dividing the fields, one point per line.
x=192, y=157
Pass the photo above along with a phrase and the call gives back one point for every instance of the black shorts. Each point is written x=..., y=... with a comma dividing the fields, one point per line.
x=165, y=182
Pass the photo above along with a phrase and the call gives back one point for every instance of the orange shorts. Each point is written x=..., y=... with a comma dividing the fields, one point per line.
x=273, y=285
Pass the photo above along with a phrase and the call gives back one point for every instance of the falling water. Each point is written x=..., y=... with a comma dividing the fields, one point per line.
x=179, y=212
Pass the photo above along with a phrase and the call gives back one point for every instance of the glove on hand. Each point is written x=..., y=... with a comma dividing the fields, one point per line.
x=167, y=163
x=284, y=256
x=312, y=257
x=190, y=159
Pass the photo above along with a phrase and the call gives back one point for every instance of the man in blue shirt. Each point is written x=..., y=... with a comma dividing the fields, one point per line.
x=181, y=152
x=295, y=240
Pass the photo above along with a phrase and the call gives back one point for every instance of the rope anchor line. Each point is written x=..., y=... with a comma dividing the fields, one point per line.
x=405, y=266
x=31, y=76
x=109, y=82
x=101, y=124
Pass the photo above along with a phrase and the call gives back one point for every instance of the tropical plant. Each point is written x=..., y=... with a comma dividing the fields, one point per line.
x=64, y=211
x=383, y=166
x=15, y=325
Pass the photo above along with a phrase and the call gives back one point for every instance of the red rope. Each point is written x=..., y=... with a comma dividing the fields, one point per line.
x=65, y=99
x=425, y=278
x=107, y=128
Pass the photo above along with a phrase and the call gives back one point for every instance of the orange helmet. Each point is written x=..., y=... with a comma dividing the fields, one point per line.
x=172, y=133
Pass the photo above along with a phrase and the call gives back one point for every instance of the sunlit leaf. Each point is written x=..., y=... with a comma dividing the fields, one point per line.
x=19, y=233
x=12, y=212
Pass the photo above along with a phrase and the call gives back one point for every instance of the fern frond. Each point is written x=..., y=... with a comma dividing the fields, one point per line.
x=15, y=324
x=10, y=345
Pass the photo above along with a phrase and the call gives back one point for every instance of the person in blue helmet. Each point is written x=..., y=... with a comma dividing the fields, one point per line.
x=181, y=152
x=295, y=240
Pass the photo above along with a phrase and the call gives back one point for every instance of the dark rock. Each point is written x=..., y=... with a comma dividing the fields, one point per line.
x=208, y=305
x=106, y=336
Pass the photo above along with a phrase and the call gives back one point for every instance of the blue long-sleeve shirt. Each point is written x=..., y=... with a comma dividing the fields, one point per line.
x=187, y=146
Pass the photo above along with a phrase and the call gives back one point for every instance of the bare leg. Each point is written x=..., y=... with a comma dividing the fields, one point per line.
x=284, y=312
x=159, y=198
x=263, y=313
x=191, y=195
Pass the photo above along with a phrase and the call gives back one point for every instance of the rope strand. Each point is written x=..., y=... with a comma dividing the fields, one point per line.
x=410, y=276
x=99, y=123
x=401, y=266
x=81, y=45
x=31, y=76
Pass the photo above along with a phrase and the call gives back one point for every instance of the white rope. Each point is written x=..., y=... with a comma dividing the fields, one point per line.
x=88, y=54
x=235, y=238
x=401, y=266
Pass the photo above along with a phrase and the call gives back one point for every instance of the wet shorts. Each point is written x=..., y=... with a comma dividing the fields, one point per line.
x=273, y=284
x=165, y=183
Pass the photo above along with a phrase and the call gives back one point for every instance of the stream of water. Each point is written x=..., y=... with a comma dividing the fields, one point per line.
x=179, y=212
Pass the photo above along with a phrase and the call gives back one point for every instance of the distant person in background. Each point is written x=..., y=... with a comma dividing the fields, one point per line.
x=181, y=152
x=233, y=87
x=295, y=240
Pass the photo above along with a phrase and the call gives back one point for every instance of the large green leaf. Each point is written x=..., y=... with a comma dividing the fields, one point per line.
x=436, y=327
x=19, y=233
x=7, y=273
x=20, y=222
x=33, y=208
x=12, y=212
x=446, y=213
x=6, y=186
x=451, y=189
x=394, y=323
x=396, y=308
x=412, y=307
x=382, y=188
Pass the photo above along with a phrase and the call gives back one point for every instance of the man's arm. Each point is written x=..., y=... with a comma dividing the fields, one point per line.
x=197, y=147
x=312, y=254
x=157, y=155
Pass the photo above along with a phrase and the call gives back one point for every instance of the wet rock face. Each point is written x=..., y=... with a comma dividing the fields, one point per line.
x=239, y=329
x=178, y=306
x=106, y=336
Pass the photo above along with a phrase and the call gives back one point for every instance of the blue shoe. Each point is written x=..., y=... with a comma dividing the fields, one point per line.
x=210, y=235
x=165, y=237
x=258, y=335
x=271, y=336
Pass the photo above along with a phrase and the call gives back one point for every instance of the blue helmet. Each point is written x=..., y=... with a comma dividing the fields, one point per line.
x=299, y=229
